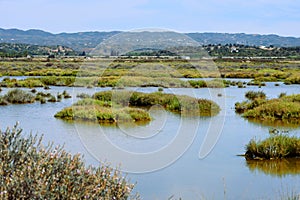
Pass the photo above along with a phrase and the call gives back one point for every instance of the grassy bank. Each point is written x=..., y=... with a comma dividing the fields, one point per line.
x=174, y=103
x=260, y=70
x=274, y=147
x=285, y=108
x=102, y=112
x=29, y=170
x=112, y=81
x=125, y=106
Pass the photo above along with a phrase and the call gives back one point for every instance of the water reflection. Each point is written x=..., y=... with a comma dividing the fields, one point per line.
x=277, y=123
x=275, y=168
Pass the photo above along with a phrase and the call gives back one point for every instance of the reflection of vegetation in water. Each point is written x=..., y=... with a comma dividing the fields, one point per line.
x=286, y=123
x=285, y=108
x=277, y=167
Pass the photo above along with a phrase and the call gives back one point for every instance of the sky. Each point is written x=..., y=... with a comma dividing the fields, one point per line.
x=281, y=17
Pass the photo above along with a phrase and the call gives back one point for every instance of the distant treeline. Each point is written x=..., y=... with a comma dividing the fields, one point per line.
x=24, y=50
x=239, y=50
x=220, y=51
x=213, y=50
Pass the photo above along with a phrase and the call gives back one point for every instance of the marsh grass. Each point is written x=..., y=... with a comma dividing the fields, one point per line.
x=275, y=109
x=175, y=103
x=274, y=147
x=102, y=112
x=17, y=96
x=285, y=108
x=261, y=70
x=29, y=170
x=252, y=95
x=128, y=106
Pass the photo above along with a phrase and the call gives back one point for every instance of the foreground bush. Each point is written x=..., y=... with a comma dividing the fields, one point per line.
x=30, y=171
x=274, y=147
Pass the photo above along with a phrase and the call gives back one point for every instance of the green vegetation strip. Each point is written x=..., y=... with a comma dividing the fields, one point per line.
x=261, y=70
x=29, y=170
x=118, y=106
x=19, y=96
x=286, y=108
x=274, y=147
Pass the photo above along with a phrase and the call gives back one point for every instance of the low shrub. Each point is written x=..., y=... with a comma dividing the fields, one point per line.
x=29, y=170
x=18, y=96
x=251, y=95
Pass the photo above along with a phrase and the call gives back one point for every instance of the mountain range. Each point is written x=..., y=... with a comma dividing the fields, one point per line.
x=86, y=41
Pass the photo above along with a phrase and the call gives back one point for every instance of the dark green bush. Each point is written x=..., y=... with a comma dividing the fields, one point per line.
x=28, y=170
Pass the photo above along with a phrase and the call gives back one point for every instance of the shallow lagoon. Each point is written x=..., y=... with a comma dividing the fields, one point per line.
x=221, y=174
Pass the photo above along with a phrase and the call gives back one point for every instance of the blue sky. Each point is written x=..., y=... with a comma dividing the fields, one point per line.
x=280, y=17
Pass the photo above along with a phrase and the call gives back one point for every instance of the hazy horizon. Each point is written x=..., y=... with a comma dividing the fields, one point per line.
x=56, y=33
x=184, y=16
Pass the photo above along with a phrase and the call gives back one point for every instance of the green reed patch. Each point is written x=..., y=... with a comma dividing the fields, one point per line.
x=102, y=112
x=274, y=147
x=285, y=108
x=252, y=95
x=128, y=106
x=29, y=170
x=176, y=103
x=17, y=96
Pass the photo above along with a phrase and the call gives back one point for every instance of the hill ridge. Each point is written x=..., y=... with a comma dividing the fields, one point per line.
x=86, y=41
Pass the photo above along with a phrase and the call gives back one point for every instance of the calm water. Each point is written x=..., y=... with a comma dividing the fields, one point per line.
x=176, y=167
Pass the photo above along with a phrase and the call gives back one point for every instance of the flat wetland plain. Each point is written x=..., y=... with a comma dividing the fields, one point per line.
x=221, y=174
